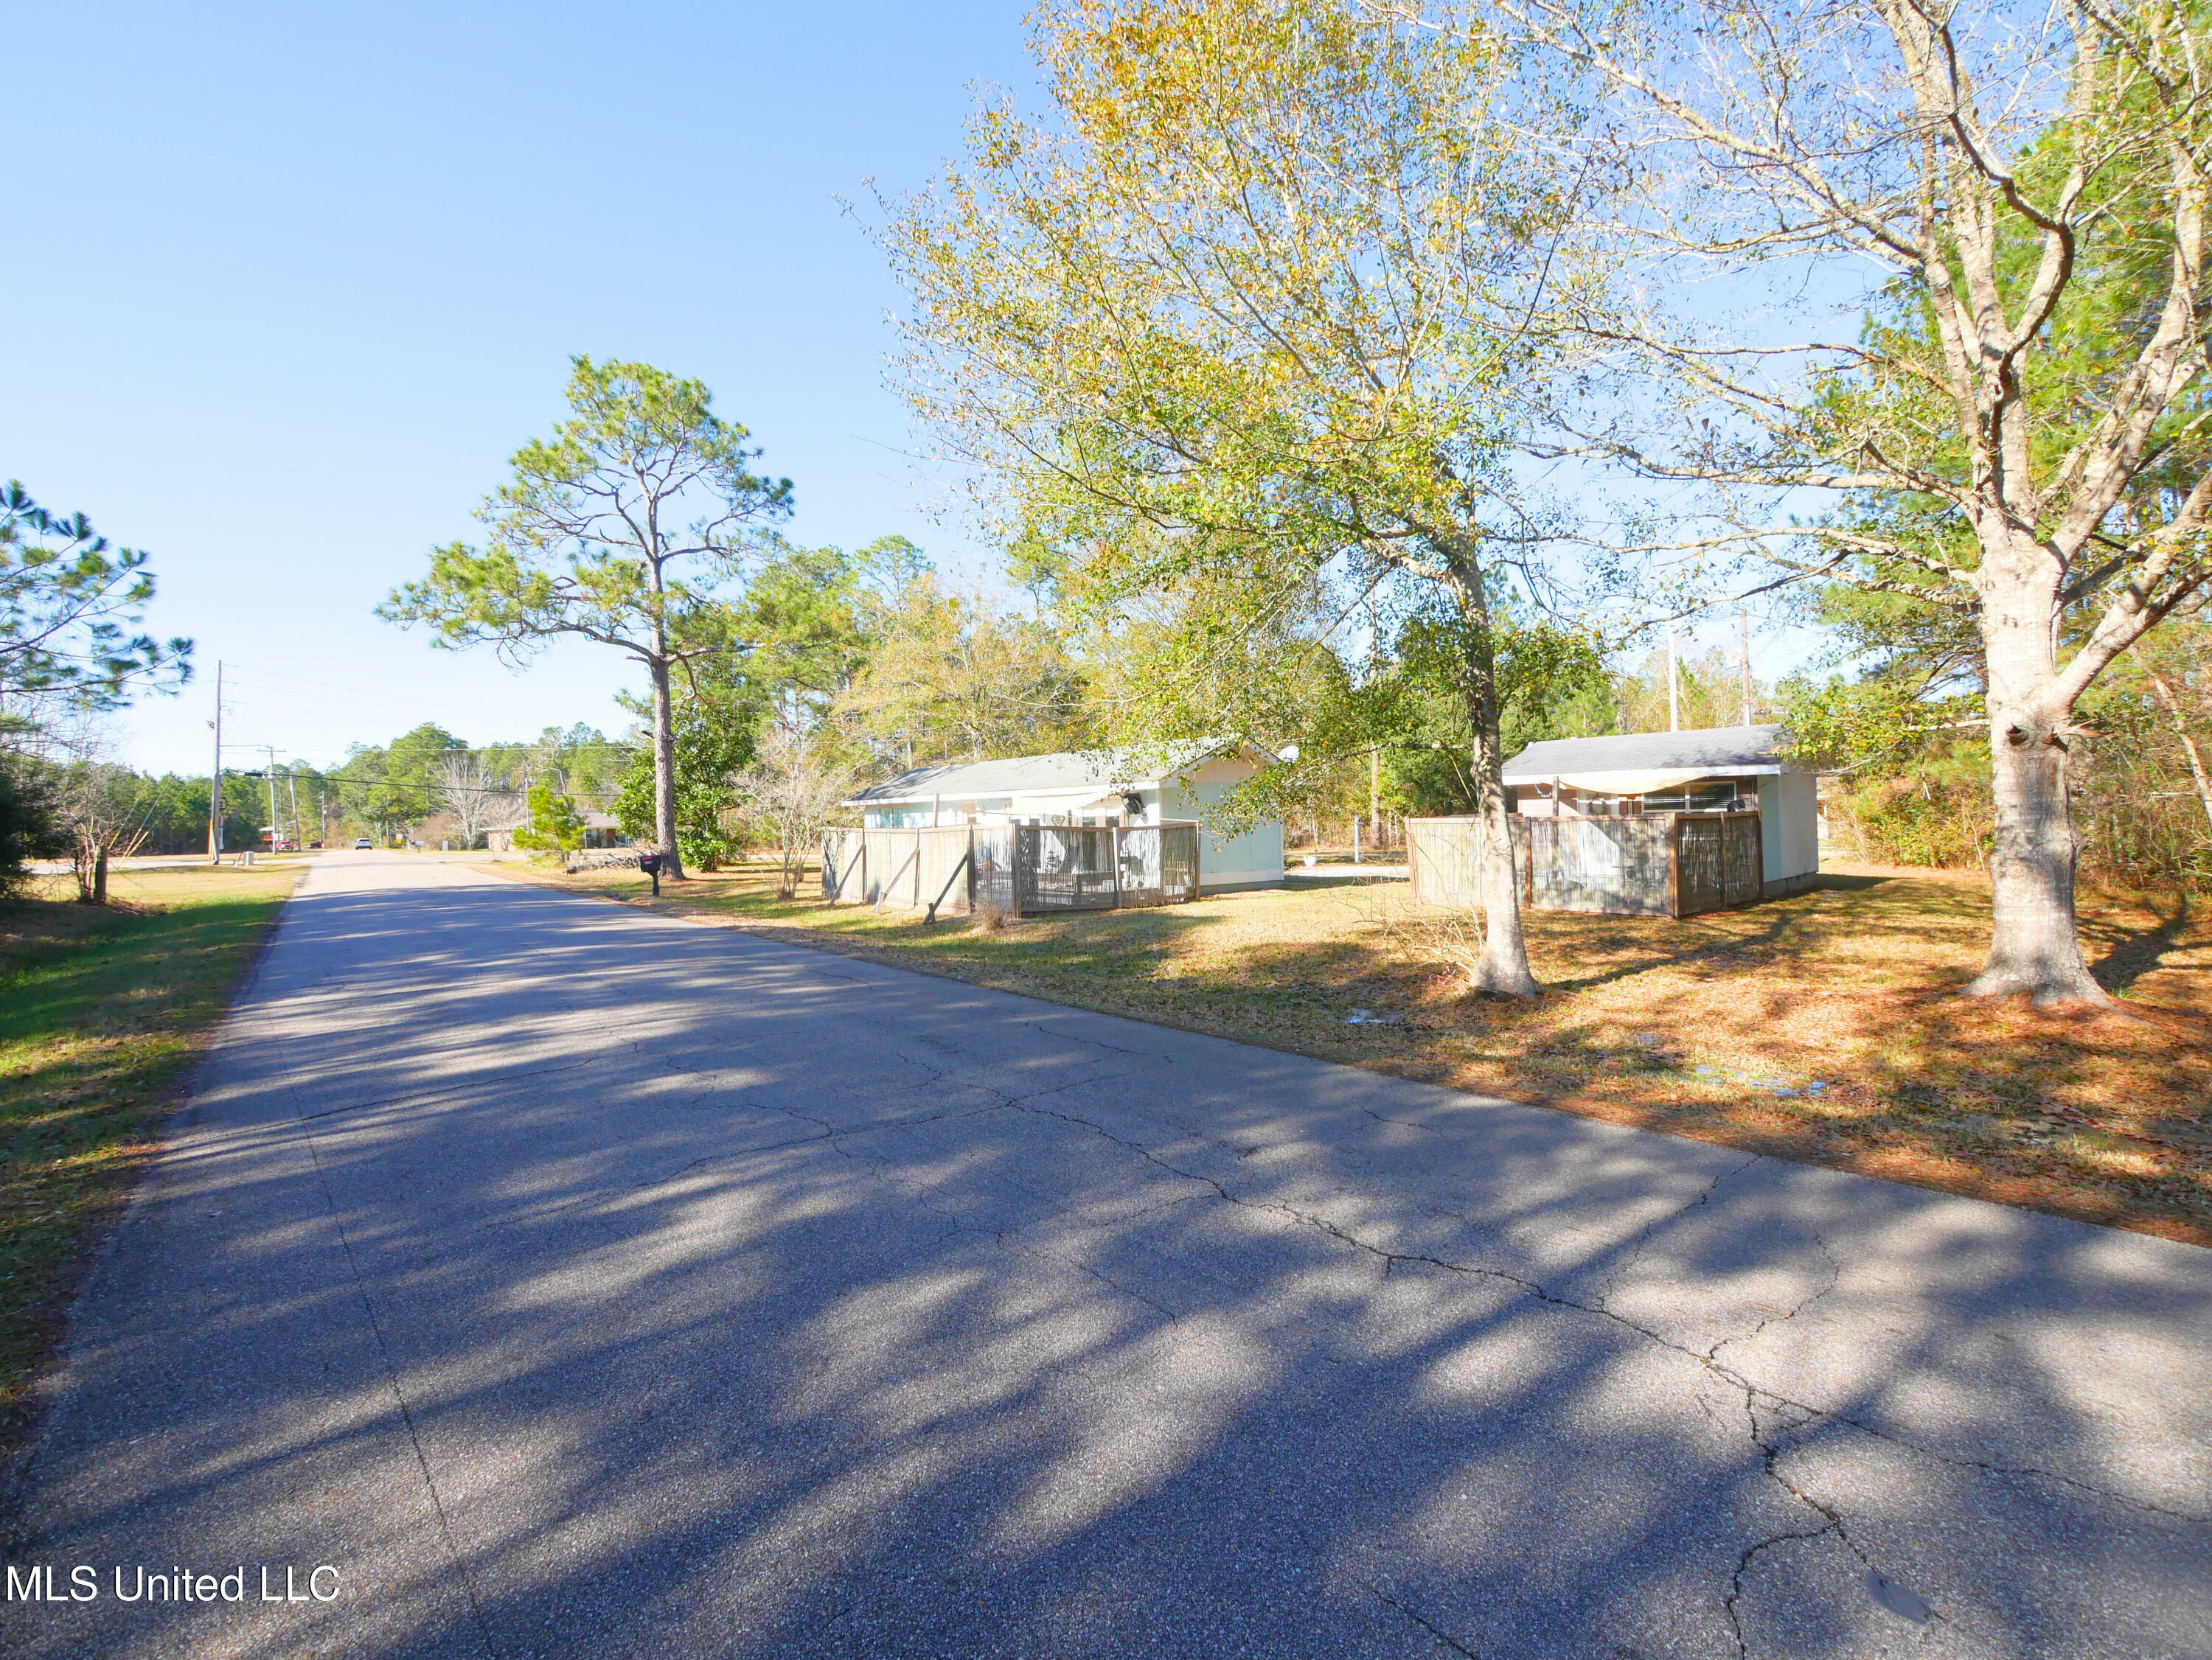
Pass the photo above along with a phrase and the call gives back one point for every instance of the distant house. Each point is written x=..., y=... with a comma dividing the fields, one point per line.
x=600, y=830
x=1091, y=787
x=604, y=830
x=1715, y=770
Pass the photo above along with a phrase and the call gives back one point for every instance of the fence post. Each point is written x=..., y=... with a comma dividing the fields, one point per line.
x=1113, y=850
x=930, y=918
x=1674, y=864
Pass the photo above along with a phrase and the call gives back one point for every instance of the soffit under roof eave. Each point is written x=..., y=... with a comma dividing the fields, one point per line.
x=1637, y=781
x=1057, y=795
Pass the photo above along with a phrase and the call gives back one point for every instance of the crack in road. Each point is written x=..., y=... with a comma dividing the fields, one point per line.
x=1743, y=1567
x=430, y=1097
x=390, y=1367
x=1418, y=1618
x=1642, y=1237
x=1710, y=1362
x=1835, y=1278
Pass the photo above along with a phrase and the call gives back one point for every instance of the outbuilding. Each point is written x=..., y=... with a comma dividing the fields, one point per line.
x=1713, y=770
x=1655, y=824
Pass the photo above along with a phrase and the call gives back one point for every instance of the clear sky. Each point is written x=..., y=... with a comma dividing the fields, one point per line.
x=288, y=283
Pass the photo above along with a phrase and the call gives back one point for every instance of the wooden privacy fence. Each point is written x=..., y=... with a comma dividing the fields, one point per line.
x=1660, y=865
x=1022, y=869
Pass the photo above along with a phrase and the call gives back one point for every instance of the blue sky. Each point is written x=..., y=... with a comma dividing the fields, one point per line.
x=291, y=282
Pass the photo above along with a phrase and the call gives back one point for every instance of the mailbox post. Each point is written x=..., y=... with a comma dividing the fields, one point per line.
x=650, y=864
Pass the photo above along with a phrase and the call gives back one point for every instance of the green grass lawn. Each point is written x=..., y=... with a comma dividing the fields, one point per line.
x=101, y=1011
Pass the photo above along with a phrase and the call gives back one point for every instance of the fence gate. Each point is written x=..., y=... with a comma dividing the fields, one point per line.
x=1656, y=865
x=1615, y=866
x=1017, y=868
x=1440, y=858
x=1717, y=861
x=993, y=855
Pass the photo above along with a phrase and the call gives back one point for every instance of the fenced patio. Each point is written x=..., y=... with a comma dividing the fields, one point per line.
x=1658, y=864
x=1018, y=869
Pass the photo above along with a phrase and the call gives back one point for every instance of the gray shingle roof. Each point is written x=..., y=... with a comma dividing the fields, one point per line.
x=1719, y=748
x=1075, y=769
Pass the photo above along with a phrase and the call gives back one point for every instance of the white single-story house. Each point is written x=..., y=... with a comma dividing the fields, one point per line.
x=600, y=830
x=604, y=830
x=1713, y=770
x=1097, y=787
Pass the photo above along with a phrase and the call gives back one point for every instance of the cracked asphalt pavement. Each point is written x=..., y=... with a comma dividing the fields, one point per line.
x=579, y=1282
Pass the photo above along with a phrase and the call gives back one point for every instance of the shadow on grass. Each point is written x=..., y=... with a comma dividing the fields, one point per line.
x=1853, y=983
x=2135, y=953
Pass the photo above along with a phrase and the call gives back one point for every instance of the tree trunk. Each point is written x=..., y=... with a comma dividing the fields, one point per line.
x=1503, y=968
x=2035, y=946
x=664, y=772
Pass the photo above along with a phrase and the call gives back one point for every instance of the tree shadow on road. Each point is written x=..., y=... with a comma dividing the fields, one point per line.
x=732, y=1299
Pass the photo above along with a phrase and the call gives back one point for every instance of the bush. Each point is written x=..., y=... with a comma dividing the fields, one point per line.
x=1938, y=815
x=555, y=825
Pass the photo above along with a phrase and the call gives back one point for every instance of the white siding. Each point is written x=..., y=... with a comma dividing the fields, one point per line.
x=1789, y=826
x=1251, y=860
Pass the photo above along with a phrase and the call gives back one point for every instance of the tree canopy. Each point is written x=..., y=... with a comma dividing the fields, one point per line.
x=69, y=601
x=623, y=529
x=1246, y=313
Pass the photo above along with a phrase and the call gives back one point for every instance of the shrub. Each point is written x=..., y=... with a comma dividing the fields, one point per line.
x=555, y=825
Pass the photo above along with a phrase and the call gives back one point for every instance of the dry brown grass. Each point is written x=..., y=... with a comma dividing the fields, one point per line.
x=1696, y=1027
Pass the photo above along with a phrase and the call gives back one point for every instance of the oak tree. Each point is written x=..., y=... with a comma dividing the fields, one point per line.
x=1246, y=314
x=2014, y=430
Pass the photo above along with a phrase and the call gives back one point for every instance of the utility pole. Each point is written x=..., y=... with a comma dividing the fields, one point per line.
x=292, y=789
x=1743, y=621
x=1673, y=686
x=273, y=825
x=215, y=781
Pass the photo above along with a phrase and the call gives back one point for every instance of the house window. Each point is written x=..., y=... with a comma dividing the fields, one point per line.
x=1706, y=795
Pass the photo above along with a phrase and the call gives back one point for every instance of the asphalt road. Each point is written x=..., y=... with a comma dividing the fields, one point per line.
x=574, y=1281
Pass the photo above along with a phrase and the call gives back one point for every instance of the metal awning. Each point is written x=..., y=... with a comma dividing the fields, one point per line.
x=1645, y=781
